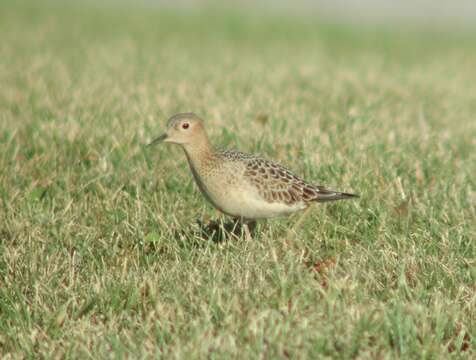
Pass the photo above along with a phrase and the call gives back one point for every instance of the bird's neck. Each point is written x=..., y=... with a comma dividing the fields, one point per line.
x=200, y=155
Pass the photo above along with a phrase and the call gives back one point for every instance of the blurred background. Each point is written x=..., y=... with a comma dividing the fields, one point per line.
x=424, y=12
x=101, y=253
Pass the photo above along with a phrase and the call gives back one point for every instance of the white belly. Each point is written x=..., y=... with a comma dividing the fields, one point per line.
x=246, y=203
x=236, y=197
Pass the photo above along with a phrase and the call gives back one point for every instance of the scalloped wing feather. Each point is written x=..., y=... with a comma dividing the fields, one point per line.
x=275, y=183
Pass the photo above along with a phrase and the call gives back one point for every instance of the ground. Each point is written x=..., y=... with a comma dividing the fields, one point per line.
x=102, y=244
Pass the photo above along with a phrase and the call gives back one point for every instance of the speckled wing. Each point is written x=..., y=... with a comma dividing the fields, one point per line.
x=275, y=183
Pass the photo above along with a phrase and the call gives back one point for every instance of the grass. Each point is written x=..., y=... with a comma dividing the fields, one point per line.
x=100, y=249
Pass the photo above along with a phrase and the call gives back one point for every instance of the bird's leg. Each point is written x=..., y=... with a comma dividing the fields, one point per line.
x=248, y=228
x=292, y=231
x=252, y=226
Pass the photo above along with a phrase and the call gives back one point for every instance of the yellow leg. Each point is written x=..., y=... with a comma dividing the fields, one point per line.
x=248, y=228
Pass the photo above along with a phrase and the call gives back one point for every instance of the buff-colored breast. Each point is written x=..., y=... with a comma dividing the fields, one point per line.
x=227, y=188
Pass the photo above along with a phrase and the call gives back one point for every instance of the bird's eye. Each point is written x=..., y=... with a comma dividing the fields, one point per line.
x=185, y=126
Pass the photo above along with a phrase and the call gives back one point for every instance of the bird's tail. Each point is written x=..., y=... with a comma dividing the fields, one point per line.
x=324, y=195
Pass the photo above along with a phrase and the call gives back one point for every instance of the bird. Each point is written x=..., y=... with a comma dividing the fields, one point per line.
x=246, y=187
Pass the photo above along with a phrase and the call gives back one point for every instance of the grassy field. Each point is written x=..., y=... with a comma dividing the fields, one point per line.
x=101, y=249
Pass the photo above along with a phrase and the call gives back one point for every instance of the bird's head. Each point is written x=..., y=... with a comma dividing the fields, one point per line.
x=183, y=129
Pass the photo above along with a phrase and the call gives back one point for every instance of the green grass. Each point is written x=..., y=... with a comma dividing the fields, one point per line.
x=100, y=251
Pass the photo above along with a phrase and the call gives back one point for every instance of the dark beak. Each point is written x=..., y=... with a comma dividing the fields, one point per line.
x=158, y=140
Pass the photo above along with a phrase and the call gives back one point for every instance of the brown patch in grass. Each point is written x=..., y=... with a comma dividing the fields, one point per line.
x=320, y=268
x=465, y=344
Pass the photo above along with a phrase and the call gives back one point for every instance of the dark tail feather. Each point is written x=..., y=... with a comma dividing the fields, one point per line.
x=325, y=195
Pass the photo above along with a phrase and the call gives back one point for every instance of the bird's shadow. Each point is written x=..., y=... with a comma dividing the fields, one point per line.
x=216, y=231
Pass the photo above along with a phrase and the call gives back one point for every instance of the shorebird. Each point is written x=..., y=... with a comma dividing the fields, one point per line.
x=244, y=186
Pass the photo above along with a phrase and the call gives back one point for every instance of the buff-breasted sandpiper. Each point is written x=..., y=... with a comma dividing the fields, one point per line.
x=244, y=186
